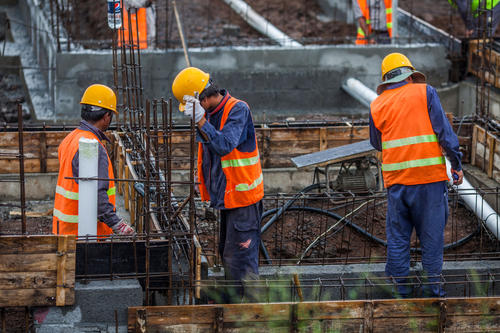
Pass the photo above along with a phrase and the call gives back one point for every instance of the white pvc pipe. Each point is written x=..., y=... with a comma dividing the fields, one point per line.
x=261, y=24
x=359, y=91
x=477, y=204
x=88, y=153
x=466, y=191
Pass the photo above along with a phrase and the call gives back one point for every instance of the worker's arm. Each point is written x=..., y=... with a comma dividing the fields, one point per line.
x=105, y=209
x=358, y=16
x=375, y=135
x=464, y=9
x=448, y=140
x=223, y=142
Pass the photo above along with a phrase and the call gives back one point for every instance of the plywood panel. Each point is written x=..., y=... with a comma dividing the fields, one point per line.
x=33, y=268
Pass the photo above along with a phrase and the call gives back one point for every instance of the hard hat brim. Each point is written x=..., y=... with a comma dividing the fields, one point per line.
x=417, y=76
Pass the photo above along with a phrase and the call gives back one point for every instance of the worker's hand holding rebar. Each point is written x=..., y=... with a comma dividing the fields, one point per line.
x=193, y=108
x=122, y=228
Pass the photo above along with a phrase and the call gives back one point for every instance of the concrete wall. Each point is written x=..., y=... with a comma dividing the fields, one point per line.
x=277, y=82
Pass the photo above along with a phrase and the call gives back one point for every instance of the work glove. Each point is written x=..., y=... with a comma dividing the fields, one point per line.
x=122, y=228
x=198, y=111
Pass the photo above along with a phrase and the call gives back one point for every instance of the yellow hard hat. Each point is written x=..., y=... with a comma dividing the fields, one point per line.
x=100, y=95
x=393, y=61
x=187, y=82
x=399, y=68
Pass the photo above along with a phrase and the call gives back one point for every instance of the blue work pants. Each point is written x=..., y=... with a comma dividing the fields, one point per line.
x=425, y=208
x=239, y=242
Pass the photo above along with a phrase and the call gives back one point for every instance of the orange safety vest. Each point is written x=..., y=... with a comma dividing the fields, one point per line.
x=66, y=200
x=411, y=154
x=137, y=21
x=244, y=179
x=363, y=5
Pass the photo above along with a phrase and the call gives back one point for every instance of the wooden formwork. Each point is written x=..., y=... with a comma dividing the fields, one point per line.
x=485, y=152
x=412, y=315
x=491, y=65
x=37, y=270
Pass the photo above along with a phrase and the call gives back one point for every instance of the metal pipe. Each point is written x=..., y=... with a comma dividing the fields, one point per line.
x=88, y=153
x=261, y=24
x=472, y=199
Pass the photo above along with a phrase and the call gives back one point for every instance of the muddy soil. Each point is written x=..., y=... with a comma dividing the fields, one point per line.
x=10, y=221
x=213, y=23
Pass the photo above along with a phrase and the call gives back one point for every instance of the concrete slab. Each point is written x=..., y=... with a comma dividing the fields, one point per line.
x=94, y=311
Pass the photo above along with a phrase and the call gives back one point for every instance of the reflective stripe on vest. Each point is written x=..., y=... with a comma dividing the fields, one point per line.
x=361, y=37
x=240, y=162
x=409, y=141
x=413, y=164
x=111, y=191
x=246, y=187
x=67, y=194
x=65, y=218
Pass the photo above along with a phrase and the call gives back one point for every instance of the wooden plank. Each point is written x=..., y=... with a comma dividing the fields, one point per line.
x=422, y=315
x=27, y=262
x=28, y=297
x=27, y=280
x=62, y=248
x=491, y=155
x=27, y=244
x=474, y=143
x=323, y=140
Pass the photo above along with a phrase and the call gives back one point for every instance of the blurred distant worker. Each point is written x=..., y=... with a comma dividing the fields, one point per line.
x=229, y=169
x=374, y=21
x=98, y=105
x=409, y=126
x=144, y=20
x=473, y=11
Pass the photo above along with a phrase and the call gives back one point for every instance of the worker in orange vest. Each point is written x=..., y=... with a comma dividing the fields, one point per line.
x=98, y=106
x=374, y=19
x=229, y=170
x=409, y=126
x=142, y=23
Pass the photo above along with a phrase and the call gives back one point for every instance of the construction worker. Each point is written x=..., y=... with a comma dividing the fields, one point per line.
x=473, y=11
x=229, y=169
x=409, y=126
x=374, y=21
x=98, y=105
x=142, y=23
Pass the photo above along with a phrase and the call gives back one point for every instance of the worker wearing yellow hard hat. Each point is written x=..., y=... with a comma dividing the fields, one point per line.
x=396, y=67
x=229, y=170
x=408, y=125
x=98, y=106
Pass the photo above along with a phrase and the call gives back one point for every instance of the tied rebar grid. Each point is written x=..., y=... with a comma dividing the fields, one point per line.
x=345, y=228
x=146, y=134
x=342, y=288
x=318, y=227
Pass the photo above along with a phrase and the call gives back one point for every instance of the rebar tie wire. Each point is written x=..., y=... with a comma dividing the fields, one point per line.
x=329, y=229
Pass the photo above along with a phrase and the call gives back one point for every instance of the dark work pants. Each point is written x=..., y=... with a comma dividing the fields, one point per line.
x=425, y=208
x=239, y=242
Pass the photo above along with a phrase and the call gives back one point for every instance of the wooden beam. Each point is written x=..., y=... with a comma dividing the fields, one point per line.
x=474, y=143
x=425, y=315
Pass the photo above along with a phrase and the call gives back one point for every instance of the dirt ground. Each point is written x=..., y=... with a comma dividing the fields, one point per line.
x=212, y=22
x=290, y=236
x=10, y=222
